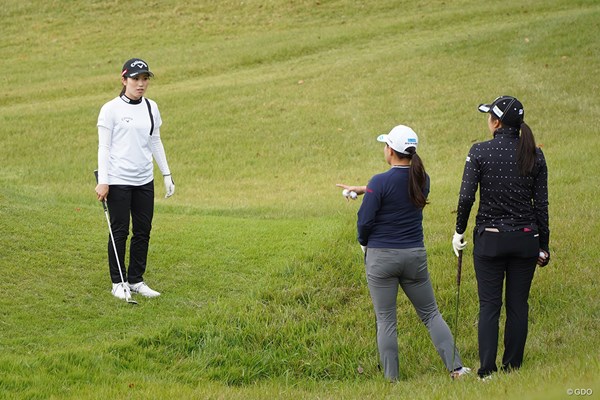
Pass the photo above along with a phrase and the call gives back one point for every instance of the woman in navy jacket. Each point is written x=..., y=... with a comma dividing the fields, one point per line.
x=390, y=230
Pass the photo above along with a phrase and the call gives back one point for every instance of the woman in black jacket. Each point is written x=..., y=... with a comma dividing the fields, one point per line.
x=511, y=232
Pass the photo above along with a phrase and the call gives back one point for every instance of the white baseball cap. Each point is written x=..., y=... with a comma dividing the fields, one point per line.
x=400, y=138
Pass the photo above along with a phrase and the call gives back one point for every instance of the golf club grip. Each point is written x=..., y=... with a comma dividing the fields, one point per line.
x=103, y=201
x=459, y=267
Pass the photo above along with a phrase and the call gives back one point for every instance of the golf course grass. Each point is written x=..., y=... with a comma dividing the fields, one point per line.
x=266, y=105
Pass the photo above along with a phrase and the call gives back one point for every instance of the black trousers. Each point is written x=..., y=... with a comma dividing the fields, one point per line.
x=499, y=257
x=125, y=202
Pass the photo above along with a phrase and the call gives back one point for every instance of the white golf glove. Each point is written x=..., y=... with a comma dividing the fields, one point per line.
x=363, y=248
x=169, y=186
x=349, y=194
x=458, y=242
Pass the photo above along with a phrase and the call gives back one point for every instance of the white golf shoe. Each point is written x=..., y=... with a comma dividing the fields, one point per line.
x=143, y=289
x=121, y=291
x=458, y=373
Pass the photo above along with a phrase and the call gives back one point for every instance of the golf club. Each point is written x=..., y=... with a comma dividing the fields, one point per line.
x=458, y=273
x=128, y=298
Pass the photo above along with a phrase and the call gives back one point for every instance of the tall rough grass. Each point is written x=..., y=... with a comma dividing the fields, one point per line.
x=266, y=105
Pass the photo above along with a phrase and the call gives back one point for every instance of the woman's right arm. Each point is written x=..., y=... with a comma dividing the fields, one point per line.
x=104, y=141
x=357, y=189
x=468, y=189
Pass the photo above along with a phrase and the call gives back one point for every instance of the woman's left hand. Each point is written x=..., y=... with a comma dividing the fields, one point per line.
x=543, y=258
x=169, y=186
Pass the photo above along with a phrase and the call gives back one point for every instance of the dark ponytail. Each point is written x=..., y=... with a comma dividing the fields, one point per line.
x=417, y=178
x=526, y=151
x=123, y=87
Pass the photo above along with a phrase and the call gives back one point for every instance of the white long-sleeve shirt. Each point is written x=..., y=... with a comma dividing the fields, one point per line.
x=125, y=147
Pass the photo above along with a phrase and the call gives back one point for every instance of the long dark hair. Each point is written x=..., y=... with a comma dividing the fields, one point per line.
x=417, y=177
x=123, y=87
x=526, y=151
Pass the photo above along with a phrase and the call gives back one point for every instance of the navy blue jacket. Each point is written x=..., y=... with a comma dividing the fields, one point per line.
x=387, y=218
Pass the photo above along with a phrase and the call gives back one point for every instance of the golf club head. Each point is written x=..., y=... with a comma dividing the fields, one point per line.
x=128, y=297
x=130, y=300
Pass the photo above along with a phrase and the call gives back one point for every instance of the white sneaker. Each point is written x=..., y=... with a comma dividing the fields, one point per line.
x=120, y=291
x=458, y=373
x=143, y=289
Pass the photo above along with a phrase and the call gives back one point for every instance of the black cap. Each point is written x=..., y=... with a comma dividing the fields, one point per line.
x=507, y=109
x=134, y=67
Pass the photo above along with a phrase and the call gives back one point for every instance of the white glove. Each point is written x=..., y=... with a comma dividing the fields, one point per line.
x=169, y=186
x=458, y=244
x=349, y=194
x=363, y=248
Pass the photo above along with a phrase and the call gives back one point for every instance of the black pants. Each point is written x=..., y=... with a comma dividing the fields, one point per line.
x=500, y=255
x=137, y=202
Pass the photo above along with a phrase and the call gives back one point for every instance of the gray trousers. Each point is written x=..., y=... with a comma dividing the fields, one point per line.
x=386, y=270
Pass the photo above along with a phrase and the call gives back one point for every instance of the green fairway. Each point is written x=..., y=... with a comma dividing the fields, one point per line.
x=266, y=105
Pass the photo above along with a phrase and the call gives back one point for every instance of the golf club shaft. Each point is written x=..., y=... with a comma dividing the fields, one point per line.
x=112, y=239
x=459, y=268
x=114, y=245
x=458, y=276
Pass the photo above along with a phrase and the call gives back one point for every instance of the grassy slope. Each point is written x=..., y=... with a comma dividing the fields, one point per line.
x=265, y=107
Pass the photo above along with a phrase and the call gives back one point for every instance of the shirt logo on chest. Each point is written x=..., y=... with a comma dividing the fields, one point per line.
x=127, y=119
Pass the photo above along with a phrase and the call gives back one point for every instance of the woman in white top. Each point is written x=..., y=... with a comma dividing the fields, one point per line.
x=129, y=141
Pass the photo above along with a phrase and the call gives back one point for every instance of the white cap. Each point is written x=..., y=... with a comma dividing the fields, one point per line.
x=400, y=139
